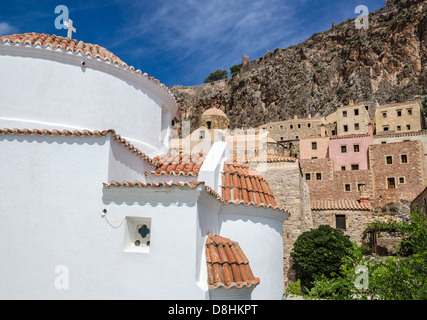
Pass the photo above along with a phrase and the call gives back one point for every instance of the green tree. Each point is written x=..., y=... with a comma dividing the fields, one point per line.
x=319, y=252
x=217, y=75
x=235, y=69
x=402, y=277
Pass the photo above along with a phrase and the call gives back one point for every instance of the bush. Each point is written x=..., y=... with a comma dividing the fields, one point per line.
x=395, y=278
x=319, y=252
x=235, y=69
x=217, y=75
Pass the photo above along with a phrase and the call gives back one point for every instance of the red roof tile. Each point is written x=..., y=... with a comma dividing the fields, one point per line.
x=178, y=164
x=262, y=158
x=73, y=45
x=240, y=183
x=77, y=133
x=227, y=265
x=340, y=205
x=138, y=184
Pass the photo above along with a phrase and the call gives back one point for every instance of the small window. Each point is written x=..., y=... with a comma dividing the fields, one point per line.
x=314, y=146
x=399, y=128
x=345, y=128
x=309, y=125
x=401, y=180
x=308, y=176
x=347, y=187
x=340, y=221
x=384, y=115
x=291, y=126
x=281, y=138
x=356, y=126
x=408, y=127
x=404, y=158
x=399, y=113
x=202, y=134
x=343, y=149
x=385, y=128
x=313, y=157
x=356, y=112
x=389, y=159
x=391, y=183
x=281, y=127
x=409, y=112
x=354, y=167
x=383, y=142
x=356, y=148
x=209, y=123
x=299, y=126
x=296, y=137
x=344, y=114
x=360, y=186
x=318, y=176
x=343, y=168
x=333, y=132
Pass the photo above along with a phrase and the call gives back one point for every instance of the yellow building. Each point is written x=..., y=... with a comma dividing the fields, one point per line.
x=355, y=118
x=399, y=117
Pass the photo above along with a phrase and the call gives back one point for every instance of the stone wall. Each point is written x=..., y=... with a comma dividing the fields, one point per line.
x=294, y=129
x=399, y=117
x=356, y=221
x=408, y=177
x=291, y=192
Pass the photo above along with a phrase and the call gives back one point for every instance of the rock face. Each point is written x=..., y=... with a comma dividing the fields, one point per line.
x=386, y=62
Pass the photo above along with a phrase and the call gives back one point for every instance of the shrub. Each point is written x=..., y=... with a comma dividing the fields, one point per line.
x=217, y=75
x=235, y=69
x=319, y=252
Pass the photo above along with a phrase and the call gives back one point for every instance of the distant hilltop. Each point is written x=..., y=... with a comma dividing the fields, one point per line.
x=384, y=63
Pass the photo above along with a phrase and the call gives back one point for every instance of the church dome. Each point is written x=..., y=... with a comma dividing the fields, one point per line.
x=214, y=112
x=66, y=44
x=64, y=83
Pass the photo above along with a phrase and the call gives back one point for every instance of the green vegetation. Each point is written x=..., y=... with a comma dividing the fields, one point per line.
x=319, y=252
x=217, y=75
x=424, y=107
x=235, y=69
x=361, y=277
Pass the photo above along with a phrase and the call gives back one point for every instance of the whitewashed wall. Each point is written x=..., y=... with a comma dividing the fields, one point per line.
x=46, y=88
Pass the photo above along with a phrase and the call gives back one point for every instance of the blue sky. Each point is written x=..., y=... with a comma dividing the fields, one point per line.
x=180, y=42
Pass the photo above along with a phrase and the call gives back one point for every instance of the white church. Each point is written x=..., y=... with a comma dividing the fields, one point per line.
x=94, y=206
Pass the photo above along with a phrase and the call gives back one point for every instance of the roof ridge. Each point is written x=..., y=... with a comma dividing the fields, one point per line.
x=86, y=49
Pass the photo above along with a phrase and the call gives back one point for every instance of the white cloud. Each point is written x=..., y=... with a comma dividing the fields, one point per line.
x=6, y=29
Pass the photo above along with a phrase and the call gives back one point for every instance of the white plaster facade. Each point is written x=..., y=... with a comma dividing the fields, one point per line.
x=65, y=236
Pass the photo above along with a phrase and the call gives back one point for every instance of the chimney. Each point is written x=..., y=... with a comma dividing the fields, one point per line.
x=309, y=115
x=322, y=130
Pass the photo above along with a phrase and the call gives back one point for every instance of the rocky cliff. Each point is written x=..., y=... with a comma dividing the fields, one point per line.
x=386, y=62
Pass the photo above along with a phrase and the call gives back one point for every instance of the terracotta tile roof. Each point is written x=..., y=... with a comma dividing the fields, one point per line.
x=240, y=183
x=138, y=184
x=73, y=45
x=178, y=164
x=400, y=134
x=77, y=133
x=262, y=158
x=227, y=265
x=339, y=205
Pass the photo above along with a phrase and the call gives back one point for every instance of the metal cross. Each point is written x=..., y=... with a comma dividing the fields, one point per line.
x=69, y=25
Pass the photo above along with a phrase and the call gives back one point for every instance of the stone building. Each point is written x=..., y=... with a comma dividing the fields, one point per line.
x=350, y=216
x=399, y=117
x=397, y=171
x=294, y=129
x=355, y=118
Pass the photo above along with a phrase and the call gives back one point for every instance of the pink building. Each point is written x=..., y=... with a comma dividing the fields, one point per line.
x=351, y=152
x=315, y=147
